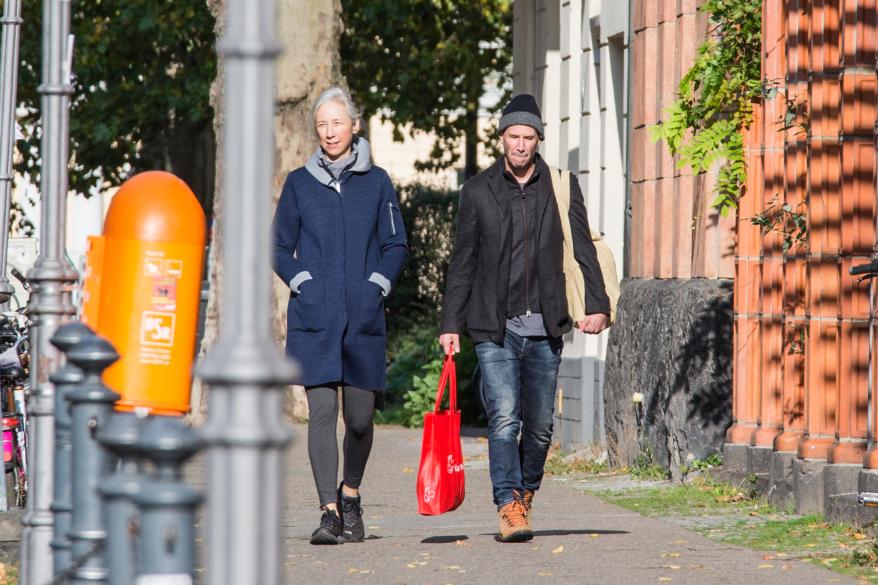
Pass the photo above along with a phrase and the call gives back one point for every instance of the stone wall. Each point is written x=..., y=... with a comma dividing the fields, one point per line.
x=672, y=342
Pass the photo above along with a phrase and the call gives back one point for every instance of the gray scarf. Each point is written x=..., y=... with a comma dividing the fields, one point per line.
x=330, y=173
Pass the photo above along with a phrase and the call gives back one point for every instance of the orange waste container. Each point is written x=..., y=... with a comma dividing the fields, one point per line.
x=145, y=282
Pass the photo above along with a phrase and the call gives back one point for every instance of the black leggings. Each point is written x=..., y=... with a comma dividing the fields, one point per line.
x=358, y=406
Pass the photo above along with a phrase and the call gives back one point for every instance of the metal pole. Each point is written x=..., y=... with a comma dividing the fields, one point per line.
x=91, y=405
x=11, y=22
x=50, y=304
x=246, y=372
x=121, y=436
x=67, y=376
x=167, y=505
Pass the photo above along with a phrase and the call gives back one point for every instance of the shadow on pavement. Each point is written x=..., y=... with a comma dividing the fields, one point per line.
x=444, y=539
x=560, y=532
x=569, y=532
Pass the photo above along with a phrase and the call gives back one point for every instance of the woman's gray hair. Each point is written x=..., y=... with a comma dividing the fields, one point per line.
x=338, y=95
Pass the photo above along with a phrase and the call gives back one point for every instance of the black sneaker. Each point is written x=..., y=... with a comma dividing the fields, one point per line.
x=352, y=517
x=329, y=531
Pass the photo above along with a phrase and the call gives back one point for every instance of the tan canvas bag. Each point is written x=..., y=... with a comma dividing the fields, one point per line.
x=572, y=272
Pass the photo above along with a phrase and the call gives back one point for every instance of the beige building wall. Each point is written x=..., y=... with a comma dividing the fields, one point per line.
x=572, y=56
x=398, y=158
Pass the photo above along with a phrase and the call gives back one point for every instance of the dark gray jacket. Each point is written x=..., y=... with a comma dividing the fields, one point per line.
x=477, y=286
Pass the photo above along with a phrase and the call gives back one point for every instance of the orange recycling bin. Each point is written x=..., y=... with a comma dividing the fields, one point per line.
x=142, y=290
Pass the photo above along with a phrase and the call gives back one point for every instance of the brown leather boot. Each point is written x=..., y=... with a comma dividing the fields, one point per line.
x=527, y=500
x=514, y=526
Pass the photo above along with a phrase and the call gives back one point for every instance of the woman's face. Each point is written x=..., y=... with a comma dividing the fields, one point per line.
x=336, y=129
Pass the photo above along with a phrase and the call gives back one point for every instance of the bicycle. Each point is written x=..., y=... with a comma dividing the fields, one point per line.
x=14, y=386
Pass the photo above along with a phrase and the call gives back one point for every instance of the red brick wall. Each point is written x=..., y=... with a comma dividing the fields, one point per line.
x=801, y=322
x=674, y=231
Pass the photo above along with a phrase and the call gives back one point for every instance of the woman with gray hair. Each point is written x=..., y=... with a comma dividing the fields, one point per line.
x=339, y=243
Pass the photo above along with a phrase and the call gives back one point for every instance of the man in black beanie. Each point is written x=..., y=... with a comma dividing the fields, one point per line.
x=506, y=284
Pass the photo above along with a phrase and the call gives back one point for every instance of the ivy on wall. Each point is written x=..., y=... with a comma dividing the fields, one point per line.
x=715, y=101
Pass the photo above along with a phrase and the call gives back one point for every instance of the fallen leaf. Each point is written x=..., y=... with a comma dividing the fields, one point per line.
x=412, y=566
x=544, y=574
x=665, y=579
x=408, y=469
x=673, y=555
x=461, y=543
x=558, y=550
x=451, y=568
x=594, y=535
x=859, y=536
x=672, y=567
x=767, y=557
x=680, y=542
x=766, y=566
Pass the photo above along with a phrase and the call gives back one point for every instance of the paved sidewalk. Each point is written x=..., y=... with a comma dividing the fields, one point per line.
x=579, y=539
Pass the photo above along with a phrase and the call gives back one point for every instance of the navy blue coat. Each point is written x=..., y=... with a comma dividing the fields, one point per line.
x=342, y=235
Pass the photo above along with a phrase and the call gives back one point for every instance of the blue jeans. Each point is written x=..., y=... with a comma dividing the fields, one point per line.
x=519, y=380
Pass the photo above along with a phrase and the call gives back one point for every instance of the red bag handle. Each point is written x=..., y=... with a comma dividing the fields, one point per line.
x=449, y=376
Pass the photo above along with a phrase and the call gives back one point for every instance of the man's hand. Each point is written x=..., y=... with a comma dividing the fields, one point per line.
x=593, y=323
x=450, y=341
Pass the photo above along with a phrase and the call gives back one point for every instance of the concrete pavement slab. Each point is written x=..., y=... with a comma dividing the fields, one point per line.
x=579, y=539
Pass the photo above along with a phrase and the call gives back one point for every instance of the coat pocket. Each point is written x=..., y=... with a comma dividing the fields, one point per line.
x=307, y=309
x=372, y=321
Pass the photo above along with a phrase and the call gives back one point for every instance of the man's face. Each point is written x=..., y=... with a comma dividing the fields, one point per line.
x=519, y=146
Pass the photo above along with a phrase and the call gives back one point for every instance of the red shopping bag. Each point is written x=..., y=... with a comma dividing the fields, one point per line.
x=441, y=484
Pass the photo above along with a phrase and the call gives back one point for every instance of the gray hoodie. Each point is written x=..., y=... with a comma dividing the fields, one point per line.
x=323, y=171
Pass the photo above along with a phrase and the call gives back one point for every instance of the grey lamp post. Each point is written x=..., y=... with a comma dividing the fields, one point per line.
x=50, y=303
x=245, y=371
x=11, y=22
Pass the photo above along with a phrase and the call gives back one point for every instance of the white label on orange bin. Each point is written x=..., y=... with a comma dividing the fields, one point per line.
x=173, y=268
x=157, y=328
x=153, y=266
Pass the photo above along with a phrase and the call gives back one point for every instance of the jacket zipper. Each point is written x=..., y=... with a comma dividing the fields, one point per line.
x=392, y=224
x=526, y=255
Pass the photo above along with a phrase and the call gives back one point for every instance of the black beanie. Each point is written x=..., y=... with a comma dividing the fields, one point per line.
x=522, y=109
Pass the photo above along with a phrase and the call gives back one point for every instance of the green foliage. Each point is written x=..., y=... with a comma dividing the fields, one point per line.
x=425, y=63
x=701, y=496
x=142, y=73
x=645, y=468
x=791, y=224
x=560, y=463
x=703, y=465
x=414, y=355
x=715, y=102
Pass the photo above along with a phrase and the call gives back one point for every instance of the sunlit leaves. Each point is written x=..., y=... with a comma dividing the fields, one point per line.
x=142, y=68
x=714, y=104
x=425, y=64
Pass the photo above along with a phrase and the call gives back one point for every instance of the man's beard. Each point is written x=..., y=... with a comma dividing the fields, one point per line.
x=519, y=166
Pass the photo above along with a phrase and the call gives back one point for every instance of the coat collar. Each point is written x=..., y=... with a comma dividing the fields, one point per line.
x=500, y=191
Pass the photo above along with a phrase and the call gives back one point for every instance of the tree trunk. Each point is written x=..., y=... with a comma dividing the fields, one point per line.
x=309, y=31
